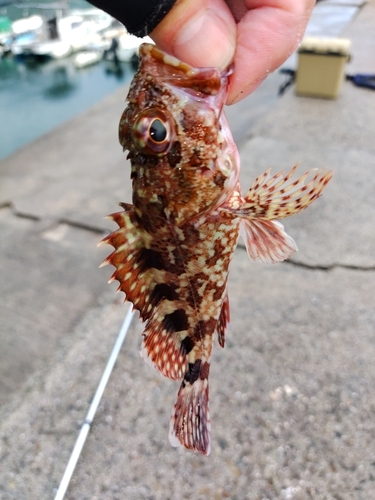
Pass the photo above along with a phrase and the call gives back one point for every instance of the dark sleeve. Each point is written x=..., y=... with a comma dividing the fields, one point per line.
x=140, y=17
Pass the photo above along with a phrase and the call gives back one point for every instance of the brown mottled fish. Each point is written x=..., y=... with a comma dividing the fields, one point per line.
x=175, y=242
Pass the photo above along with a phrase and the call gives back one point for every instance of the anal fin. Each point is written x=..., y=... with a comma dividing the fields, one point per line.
x=164, y=343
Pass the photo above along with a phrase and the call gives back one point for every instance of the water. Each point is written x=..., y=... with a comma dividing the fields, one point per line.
x=22, y=8
x=35, y=99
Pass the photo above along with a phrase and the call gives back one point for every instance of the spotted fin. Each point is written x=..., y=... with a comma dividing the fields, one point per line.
x=275, y=197
x=266, y=241
x=165, y=340
x=153, y=293
x=132, y=259
x=271, y=198
x=190, y=421
x=223, y=321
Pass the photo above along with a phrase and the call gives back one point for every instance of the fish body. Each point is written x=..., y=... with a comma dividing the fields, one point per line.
x=174, y=244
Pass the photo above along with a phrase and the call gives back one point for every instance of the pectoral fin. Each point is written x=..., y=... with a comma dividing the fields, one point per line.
x=276, y=197
x=266, y=241
x=271, y=198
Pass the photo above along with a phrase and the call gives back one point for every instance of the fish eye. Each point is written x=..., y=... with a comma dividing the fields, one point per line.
x=153, y=131
x=157, y=131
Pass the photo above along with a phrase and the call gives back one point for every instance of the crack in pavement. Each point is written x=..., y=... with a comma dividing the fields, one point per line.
x=83, y=225
x=317, y=267
x=22, y=215
x=76, y=224
x=100, y=230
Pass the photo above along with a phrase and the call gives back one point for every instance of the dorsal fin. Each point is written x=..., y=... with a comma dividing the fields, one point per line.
x=134, y=262
x=165, y=339
x=139, y=269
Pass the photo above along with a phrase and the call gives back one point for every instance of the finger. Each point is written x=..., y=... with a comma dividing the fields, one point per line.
x=199, y=32
x=266, y=36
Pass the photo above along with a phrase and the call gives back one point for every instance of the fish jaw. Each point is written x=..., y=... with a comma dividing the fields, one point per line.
x=201, y=83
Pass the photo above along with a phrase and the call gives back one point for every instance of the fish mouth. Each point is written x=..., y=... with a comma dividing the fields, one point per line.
x=204, y=81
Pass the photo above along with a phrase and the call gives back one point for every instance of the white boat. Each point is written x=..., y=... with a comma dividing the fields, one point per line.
x=31, y=45
x=86, y=58
x=60, y=36
x=32, y=24
x=85, y=28
x=54, y=49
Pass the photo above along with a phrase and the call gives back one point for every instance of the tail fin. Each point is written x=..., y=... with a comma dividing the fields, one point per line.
x=190, y=420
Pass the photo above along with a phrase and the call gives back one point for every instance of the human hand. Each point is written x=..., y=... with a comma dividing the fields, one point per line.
x=257, y=35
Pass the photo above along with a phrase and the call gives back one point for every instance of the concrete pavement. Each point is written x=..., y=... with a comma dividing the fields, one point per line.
x=292, y=402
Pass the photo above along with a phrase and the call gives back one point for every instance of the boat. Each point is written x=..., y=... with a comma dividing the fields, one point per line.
x=57, y=37
x=87, y=58
x=5, y=35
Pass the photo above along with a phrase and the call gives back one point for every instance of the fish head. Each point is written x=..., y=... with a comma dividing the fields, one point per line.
x=184, y=161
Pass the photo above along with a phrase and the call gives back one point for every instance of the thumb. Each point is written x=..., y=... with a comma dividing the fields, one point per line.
x=200, y=33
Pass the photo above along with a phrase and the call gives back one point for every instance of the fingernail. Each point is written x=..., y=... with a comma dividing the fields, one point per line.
x=205, y=41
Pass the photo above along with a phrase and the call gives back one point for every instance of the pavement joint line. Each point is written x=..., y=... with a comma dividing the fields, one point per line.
x=6, y=204
x=79, y=225
x=330, y=267
x=317, y=267
x=82, y=225
x=25, y=215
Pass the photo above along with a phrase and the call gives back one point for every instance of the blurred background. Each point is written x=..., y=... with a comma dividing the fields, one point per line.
x=56, y=61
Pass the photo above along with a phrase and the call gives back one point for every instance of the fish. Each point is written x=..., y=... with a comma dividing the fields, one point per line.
x=174, y=243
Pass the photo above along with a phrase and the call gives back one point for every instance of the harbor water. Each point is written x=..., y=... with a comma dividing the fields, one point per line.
x=35, y=98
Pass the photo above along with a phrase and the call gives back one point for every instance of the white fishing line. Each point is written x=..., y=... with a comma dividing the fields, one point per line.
x=65, y=481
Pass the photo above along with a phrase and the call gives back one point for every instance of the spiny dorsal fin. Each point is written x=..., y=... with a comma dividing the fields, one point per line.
x=153, y=293
x=132, y=260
